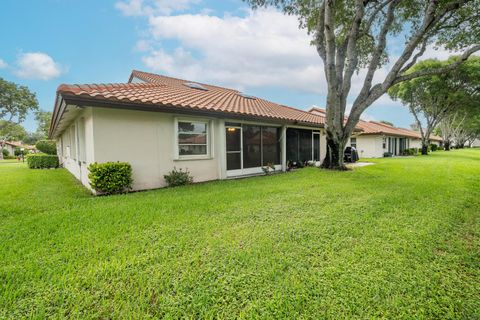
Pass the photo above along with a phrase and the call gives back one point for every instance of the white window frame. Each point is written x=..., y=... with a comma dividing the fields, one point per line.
x=209, y=132
x=354, y=144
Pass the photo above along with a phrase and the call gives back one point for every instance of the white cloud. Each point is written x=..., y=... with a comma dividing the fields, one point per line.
x=153, y=7
x=3, y=64
x=37, y=65
x=264, y=48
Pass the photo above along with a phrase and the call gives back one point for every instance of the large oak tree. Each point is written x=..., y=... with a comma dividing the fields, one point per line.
x=445, y=98
x=354, y=34
x=15, y=103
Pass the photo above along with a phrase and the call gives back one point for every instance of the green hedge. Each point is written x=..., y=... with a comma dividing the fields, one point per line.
x=47, y=146
x=110, y=177
x=42, y=161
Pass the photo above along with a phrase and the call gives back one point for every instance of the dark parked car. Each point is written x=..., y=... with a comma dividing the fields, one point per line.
x=350, y=155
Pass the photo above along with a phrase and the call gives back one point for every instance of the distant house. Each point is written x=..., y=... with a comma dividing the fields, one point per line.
x=157, y=123
x=375, y=138
x=10, y=146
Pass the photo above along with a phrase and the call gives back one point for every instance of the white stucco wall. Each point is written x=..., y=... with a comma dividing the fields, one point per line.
x=369, y=146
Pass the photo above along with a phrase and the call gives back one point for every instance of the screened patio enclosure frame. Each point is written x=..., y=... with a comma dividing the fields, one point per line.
x=251, y=147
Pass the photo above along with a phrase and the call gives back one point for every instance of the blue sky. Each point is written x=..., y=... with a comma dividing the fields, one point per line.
x=48, y=42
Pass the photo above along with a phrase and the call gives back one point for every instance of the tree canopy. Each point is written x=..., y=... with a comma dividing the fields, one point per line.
x=353, y=34
x=15, y=102
x=441, y=98
x=43, y=119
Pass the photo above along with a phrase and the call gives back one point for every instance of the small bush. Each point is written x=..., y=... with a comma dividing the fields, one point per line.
x=410, y=152
x=110, y=177
x=20, y=152
x=5, y=153
x=42, y=161
x=47, y=146
x=387, y=154
x=178, y=177
x=433, y=147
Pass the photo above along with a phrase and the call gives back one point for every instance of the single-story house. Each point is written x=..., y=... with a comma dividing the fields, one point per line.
x=158, y=123
x=10, y=146
x=377, y=138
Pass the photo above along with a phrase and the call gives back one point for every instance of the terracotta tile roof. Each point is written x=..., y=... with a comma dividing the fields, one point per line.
x=374, y=127
x=14, y=143
x=171, y=93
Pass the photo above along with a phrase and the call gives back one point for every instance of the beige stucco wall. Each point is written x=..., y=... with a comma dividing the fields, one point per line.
x=73, y=161
x=369, y=146
x=10, y=149
x=147, y=140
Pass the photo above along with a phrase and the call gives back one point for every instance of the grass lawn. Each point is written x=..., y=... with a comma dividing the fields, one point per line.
x=398, y=239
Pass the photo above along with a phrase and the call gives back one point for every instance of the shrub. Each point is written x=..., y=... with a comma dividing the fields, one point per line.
x=5, y=153
x=410, y=152
x=42, y=161
x=47, y=146
x=387, y=154
x=178, y=177
x=20, y=152
x=433, y=147
x=110, y=177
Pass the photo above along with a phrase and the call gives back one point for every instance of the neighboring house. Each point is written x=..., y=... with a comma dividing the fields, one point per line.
x=475, y=143
x=158, y=123
x=10, y=146
x=376, y=138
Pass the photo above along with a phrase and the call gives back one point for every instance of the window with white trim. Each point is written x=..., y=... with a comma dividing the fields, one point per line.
x=73, y=143
x=193, y=138
x=353, y=142
x=81, y=140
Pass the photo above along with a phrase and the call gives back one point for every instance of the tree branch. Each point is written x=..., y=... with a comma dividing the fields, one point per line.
x=422, y=73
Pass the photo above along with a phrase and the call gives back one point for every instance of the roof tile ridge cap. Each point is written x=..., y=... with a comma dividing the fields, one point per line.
x=317, y=109
x=294, y=109
x=382, y=124
x=184, y=80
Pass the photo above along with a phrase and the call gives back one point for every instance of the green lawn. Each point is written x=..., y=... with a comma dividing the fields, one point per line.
x=398, y=239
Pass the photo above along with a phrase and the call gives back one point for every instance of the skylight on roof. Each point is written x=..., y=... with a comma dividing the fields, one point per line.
x=194, y=85
x=247, y=96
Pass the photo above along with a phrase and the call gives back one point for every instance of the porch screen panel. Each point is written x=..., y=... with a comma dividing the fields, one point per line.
x=292, y=145
x=252, y=156
x=316, y=147
x=271, y=145
x=233, y=138
x=305, y=144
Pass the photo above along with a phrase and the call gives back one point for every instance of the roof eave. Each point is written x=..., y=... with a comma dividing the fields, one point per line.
x=83, y=101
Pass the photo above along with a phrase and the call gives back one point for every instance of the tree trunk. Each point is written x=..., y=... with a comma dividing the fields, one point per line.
x=446, y=145
x=424, y=149
x=2, y=145
x=334, y=157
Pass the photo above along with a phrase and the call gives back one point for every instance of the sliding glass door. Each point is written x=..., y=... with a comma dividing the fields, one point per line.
x=251, y=147
x=234, y=147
